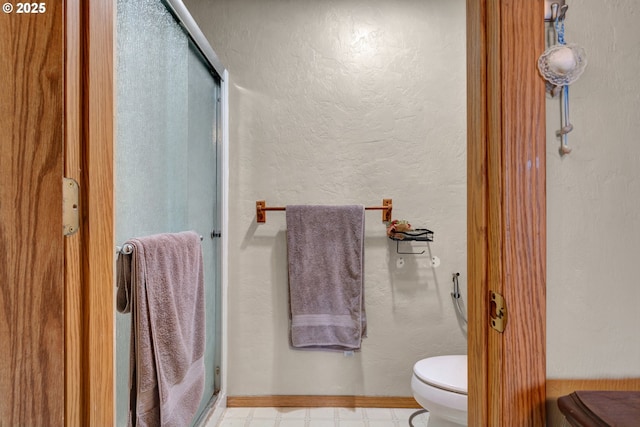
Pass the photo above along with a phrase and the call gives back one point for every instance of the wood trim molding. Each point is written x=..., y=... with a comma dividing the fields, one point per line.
x=98, y=253
x=299, y=401
x=73, y=244
x=561, y=387
x=477, y=188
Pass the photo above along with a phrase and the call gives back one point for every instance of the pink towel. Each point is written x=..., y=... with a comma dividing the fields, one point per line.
x=326, y=294
x=162, y=283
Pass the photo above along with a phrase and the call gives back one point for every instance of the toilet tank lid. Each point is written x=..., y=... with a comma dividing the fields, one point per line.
x=446, y=372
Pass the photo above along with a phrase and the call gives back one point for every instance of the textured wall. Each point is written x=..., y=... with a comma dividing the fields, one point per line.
x=594, y=202
x=342, y=102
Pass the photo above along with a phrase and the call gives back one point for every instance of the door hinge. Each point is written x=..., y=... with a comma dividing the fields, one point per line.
x=70, y=207
x=497, y=311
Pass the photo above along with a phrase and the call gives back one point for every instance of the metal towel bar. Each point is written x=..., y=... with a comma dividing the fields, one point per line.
x=127, y=248
x=261, y=210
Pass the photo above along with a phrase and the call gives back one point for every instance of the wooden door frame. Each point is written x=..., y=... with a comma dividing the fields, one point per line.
x=506, y=211
x=506, y=220
x=89, y=270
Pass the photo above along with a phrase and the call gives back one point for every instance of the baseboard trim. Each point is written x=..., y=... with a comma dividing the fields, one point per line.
x=300, y=401
x=561, y=387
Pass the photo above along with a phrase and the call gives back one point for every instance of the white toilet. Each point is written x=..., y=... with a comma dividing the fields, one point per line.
x=439, y=385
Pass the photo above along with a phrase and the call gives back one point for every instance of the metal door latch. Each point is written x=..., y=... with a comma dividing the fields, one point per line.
x=70, y=208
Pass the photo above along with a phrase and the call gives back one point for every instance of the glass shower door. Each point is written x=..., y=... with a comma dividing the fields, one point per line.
x=167, y=157
x=204, y=200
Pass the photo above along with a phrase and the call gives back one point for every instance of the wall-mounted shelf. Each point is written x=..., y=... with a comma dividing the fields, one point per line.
x=416, y=235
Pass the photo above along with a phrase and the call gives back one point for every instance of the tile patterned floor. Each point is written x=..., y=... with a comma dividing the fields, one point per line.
x=320, y=417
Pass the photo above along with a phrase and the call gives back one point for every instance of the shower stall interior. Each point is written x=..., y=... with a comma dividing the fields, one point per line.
x=168, y=155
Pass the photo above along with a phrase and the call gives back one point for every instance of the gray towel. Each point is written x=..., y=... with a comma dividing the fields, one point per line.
x=162, y=284
x=326, y=264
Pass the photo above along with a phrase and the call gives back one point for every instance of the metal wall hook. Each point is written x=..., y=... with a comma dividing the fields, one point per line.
x=554, y=9
x=562, y=13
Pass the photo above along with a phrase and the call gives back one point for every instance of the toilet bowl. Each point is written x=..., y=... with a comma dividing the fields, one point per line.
x=439, y=385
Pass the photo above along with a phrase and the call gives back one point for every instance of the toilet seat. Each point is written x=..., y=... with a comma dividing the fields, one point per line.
x=445, y=372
